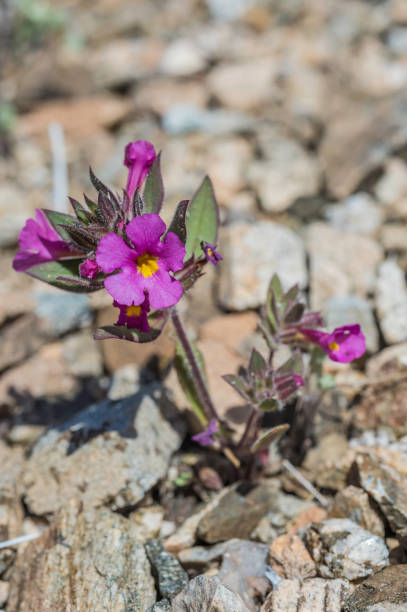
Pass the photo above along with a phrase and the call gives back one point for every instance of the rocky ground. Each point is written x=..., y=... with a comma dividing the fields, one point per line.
x=298, y=111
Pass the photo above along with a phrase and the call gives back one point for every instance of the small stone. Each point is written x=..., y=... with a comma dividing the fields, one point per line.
x=383, y=405
x=386, y=486
x=162, y=94
x=389, y=362
x=62, y=312
x=171, y=577
x=386, y=590
x=342, y=549
x=227, y=166
x=108, y=454
x=85, y=561
x=182, y=118
x=354, y=503
x=392, y=186
x=315, y=595
x=236, y=514
x=82, y=355
x=182, y=58
x=290, y=559
x=228, y=9
x=288, y=173
x=314, y=514
x=393, y=236
x=333, y=272
x=125, y=381
x=391, y=301
x=252, y=254
x=328, y=462
x=346, y=310
x=4, y=591
x=358, y=214
x=15, y=208
x=147, y=522
x=207, y=594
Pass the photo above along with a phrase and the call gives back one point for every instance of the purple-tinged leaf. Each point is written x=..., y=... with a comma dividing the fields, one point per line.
x=268, y=437
x=153, y=194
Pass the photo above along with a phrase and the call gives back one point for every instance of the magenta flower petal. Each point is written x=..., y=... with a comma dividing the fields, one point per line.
x=172, y=252
x=344, y=344
x=125, y=287
x=89, y=268
x=139, y=156
x=39, y=243
x=211, y=253
x=163, y=290
x=145, y=232
x=134, y=316
x=113, y=253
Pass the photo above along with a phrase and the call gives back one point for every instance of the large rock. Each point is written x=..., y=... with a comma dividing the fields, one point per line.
x=354, y=503
x=207, y=594
x=385, y=591
x=109, y=454
x=333, y=272
x=358, y=214
x=315, y=595
x=290, y=559
x=86, y=561
x=383, y=405
x=342, y=549
x=252, y=254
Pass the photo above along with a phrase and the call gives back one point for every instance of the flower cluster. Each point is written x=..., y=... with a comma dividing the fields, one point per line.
x=122, y=244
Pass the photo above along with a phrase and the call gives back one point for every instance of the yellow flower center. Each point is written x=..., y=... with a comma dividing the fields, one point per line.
x=210, y=252
x=147, y=264
x=133, y=311
x=333, y=346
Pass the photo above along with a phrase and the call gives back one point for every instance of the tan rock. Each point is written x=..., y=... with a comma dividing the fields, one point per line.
x=315, y=595
x=354, y=503
x=290, y=558
x=314, y=514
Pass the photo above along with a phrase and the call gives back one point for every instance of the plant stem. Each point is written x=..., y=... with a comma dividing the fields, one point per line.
x=249, y=424
x=200, y=384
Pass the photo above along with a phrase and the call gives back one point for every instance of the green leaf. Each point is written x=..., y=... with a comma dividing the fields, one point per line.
x=55, y=218
x=186, y=379
x=295, y=313
x=269, y=405
x=237, y=384
x=177, y=225
x=201, y=219
x=63, y=274
x=293, y=364
x=153, y=194
x=273, y=301
x=257, y=363
x=121, y=332
x=268, y=437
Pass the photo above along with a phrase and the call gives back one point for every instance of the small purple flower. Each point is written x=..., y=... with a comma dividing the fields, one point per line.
x=39, y=243
x=145, y=266
x=89, y=268
x=139, y=156
x=205, y=438
x=344, y=344
x=134, y=317
x=211, y=253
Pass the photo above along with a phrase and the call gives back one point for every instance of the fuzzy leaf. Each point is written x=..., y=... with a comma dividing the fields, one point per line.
x=177, y=225
x=62, y=274
x=237, y=383
x=257, y=363
x=273, y=302
x=268, y=437
x=153, y=194
x=186, y=380
x=119, y=332
x=269, y=405
x=295, y=313
x=56, y=219
x=97, y=183
x=201, y=219
x=293, y=365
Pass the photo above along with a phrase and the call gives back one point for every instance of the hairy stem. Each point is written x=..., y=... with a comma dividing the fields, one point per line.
x=200, y=384
x=248, y=427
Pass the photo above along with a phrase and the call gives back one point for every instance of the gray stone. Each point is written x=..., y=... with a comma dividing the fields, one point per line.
x=397, y=40
x=253, y=252
x=125, y=381
x=61, y=311
x=332, y=271
x=182, y=58
x=391, y=301
x=85, y=561
x=315, y=595
x=392, y=186
x=343, y=549
x=15, y=208
x=82, y=355
x=109, y=454
x=182, y=118
x=358, y=214
x=354, y=503
x=345, y=310
x=171, y=577
x=288, y=173
x=382, y=592
x=207, y=594
x=225, y=10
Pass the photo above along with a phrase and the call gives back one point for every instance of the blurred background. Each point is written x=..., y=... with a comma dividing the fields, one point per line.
x=297, y=109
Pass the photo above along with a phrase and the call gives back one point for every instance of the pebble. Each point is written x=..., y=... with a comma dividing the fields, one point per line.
x=62, y=311
x=252, y=254
x=182, y=118
x=182, y=58
x=354, y=503
x=382, y=592
x=207, y=594
x=391, y=301
x=171, y=577
x=315, y=595
x=290, y=559
x=392, y=186
x=343, y=549
x=82, y=355
x=359, y=214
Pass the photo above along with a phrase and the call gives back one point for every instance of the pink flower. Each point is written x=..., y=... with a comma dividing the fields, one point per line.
x=134, y=317
x=343, y=344
x=205, y=438
x=139, y=156
x=39, y=243
x=89, y=268
x=144, y=266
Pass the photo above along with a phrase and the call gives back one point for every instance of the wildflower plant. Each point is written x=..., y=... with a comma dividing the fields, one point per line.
x=119, y=242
